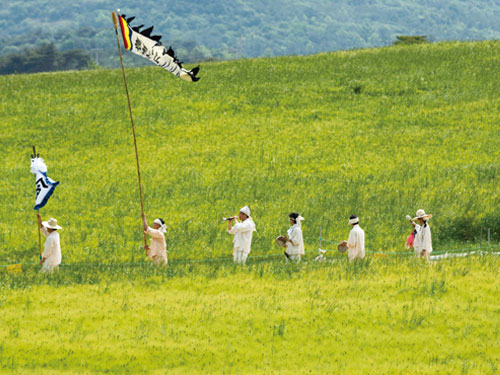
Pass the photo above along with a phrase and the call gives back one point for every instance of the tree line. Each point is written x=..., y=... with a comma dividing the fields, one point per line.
x=45, y=58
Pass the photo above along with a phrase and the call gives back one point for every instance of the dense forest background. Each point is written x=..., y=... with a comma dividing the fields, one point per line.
x=221, y=29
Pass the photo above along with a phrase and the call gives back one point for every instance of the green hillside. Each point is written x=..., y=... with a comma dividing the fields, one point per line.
x=242, y=28
x=379, y=133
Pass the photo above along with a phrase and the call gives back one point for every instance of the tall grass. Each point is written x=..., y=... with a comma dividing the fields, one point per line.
x=379, y=133
x=376, y=316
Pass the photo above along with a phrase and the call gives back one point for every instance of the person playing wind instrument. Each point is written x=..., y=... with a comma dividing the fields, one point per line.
x=157, y=251
x=422, y=244
x=51, y=257
x=356, y=240
x=242, y=232
x=294, y=240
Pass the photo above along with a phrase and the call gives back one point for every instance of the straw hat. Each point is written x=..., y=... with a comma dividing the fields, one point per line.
x=51, y=223
x=422, y=215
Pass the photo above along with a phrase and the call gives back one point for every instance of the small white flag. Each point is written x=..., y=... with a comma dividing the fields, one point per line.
x=44, y=185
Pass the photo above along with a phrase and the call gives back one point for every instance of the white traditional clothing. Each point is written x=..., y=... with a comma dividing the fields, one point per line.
x=423, y=239
x=242, y=239
x=158, y=247
x=295, y=247
x=52, y=253
x=356, y=243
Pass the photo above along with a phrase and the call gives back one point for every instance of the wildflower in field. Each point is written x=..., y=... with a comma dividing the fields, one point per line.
x=157, y=251
x=51, y=257
x=356, y=240
x=294, y=239
x=242, y=232
x=423, y=242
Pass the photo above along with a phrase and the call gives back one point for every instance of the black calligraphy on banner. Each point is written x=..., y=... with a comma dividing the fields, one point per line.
x=39, y=184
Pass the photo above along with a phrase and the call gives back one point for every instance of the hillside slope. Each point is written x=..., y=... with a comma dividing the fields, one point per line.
x=244, y=28
x=377, y=132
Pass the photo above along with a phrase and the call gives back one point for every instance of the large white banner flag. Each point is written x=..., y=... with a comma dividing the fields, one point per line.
x=149, y=46
x=44, y=185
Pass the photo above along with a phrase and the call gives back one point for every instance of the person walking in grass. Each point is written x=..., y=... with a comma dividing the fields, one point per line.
x=294, y=239
x=356, y=241
x=51, y=257
x=422, y=244
x=157, y=251
x=242, y=232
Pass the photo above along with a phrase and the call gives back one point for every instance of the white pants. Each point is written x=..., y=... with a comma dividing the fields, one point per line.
x=294, y=258
x=418, y=253
x=159, y=260
x=49, y=268
x=239, y=257
x=355, y=254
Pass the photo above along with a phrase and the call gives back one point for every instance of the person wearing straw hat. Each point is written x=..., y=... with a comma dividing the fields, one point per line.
x=157, y=250
x=422, y=244
x=242, y=232
x=51, y=257
x=356, y=241
x=294, y=239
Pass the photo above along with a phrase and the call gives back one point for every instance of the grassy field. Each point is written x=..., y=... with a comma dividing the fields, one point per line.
x=383, y=316
x=379, y=133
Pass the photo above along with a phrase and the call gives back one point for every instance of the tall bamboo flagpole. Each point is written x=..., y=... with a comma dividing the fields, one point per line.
x=38, y=213
x=115, y=22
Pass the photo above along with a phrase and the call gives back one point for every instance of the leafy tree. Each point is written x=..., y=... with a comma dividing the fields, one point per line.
x=410, y=39
x=45, y=58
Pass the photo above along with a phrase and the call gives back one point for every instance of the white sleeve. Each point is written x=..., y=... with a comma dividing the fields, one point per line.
x=427, y=243
x=245, y=226
x=351, y=241
x=49, y=246
x=154, y=233
x=44, y=231
x=233, y=229
x=295, y=236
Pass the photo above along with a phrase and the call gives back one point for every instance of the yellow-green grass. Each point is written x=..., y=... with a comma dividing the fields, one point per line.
x=378, y=133
x=382, y=316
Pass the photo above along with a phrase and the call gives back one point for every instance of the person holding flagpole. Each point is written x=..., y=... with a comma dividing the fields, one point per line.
x=242, y=232
x=51, y=257
x=157, y=251
x=45, y=187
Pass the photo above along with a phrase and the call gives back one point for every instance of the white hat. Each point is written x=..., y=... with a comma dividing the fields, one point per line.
x=161, y=223
x=354, y=220
x=51, y=223
x=246, y=210
x=422, y=215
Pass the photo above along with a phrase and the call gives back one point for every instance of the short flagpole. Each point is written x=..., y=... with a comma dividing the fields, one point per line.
x=37, y=224
x=39, y=235
x=115, y=22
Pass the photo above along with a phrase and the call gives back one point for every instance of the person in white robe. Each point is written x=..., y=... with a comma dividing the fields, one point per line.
x=157, y=250
x=356, y=241
x=422, y=244
x=51, y=257
x=242, y=232
x=294, y=239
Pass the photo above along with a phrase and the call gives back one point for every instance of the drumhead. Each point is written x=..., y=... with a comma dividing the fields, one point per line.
x=281, y=241
x=342, y=248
